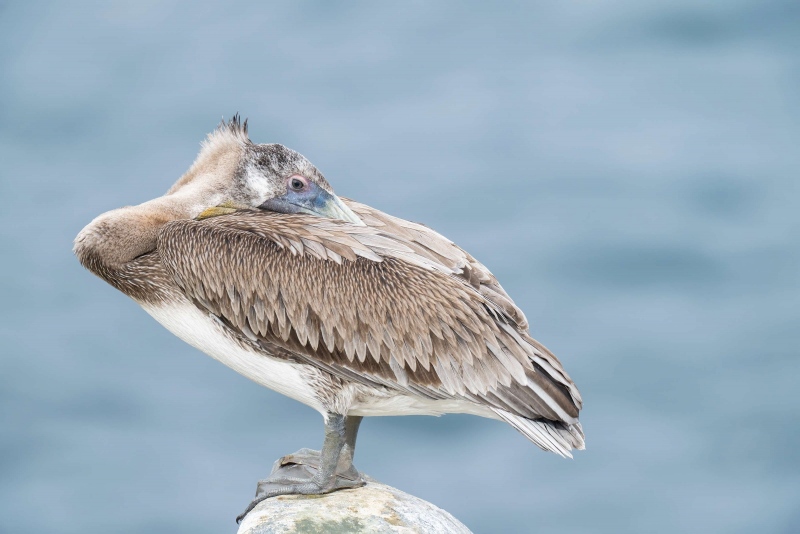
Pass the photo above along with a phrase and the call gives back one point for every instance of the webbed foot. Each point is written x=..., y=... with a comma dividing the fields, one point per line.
x=299, y=474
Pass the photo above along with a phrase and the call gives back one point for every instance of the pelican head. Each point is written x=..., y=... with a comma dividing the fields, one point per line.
x=239, y=174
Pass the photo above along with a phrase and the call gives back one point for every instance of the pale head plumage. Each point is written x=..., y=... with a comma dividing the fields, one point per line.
x=235, y=171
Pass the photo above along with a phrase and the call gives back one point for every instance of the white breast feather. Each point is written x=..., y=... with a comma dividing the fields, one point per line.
x=203, y=332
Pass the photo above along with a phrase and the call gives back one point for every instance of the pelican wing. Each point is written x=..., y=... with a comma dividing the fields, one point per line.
x=391, y=303
x=437, y=248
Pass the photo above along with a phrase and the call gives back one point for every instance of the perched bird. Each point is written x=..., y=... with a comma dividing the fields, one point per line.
x=251, y=258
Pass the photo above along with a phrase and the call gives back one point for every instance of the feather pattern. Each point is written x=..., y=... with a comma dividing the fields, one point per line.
x=391, y=304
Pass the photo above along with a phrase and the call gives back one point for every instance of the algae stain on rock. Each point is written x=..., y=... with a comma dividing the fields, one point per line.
x=348, y=525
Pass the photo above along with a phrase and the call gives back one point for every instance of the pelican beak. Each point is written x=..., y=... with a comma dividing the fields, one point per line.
x=334, y=208
x=215, y=212
x=316, y=202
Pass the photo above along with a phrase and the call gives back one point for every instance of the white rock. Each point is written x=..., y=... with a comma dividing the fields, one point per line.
x=374, y=508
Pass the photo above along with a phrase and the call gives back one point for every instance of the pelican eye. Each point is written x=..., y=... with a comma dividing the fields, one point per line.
x=297, y=184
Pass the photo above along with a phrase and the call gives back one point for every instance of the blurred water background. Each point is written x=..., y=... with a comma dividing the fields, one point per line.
x=628, y=170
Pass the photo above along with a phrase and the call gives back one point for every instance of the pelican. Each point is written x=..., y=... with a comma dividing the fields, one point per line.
x=252, y=258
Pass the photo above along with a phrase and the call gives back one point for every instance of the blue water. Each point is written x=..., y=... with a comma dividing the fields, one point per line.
x=628, y=170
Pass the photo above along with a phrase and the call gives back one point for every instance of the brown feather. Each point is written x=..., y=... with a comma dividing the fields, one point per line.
x=426, y=318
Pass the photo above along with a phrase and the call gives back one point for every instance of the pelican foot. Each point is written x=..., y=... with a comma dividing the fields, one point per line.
x=299, y=474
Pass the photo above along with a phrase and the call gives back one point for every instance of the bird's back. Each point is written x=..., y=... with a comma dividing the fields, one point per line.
x=390, y=306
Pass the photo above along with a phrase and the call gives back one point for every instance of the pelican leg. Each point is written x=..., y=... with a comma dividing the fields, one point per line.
x=310, y=472
x=350, y=435
x=344, y=467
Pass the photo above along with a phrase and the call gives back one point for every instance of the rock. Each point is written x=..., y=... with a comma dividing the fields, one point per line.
x=373, y=508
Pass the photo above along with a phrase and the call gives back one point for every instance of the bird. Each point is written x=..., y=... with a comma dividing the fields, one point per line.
x=253, y=259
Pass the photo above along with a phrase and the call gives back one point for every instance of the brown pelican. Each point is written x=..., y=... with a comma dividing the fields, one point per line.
x=253, y=259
